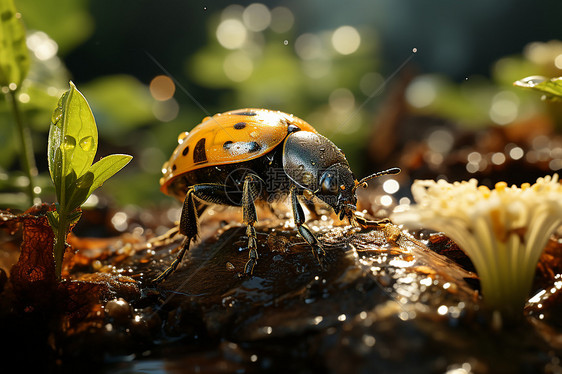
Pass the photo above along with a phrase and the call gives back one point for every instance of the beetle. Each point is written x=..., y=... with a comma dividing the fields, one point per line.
x=240, y=157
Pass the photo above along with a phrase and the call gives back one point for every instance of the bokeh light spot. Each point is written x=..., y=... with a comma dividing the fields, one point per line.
x=165, y=111
x=516, y=153
x=341, y=100
x=386, y=200
x=474, y=157
x=231, y=33
x=440, y=141
x=23, y=98
x=232, y=11
x=498, y=158
x=162, y=88
x=504, y=107
x=41, y=45
x=390, y=186
x=558, y=61
x=421, y=92
x=346, y=40
x=256, y=17
x=119, y=221
x=308, y=46
x=282, y=19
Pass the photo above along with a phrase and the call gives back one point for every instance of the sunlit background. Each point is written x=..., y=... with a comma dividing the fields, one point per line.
x=424, y=85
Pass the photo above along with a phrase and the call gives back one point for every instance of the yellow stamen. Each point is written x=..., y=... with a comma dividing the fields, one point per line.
x=500, y=186
x=485, y=191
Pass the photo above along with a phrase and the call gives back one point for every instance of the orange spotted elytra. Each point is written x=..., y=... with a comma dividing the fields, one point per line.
x=242, y=156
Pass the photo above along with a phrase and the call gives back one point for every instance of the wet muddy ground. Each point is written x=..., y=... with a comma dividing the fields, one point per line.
x=388, y=301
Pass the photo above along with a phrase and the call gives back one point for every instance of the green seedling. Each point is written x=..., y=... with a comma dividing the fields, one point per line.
x=550, y=88
x=73, y=142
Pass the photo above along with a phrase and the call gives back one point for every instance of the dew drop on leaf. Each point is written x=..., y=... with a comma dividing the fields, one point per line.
x=87, y=143
x=58, y=112
x=531, y=81
x=57, y=115
x=68, y=144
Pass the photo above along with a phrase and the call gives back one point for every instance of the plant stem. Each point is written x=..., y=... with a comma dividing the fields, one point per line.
x=60, y=243
x=27, y=148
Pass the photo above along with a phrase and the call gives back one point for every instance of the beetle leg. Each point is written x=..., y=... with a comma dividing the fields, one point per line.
x=189, y=227
x=305, y=232
x=250, y=218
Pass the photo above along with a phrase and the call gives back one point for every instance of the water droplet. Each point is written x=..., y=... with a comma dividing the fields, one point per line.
x=182, y=136
x=57, y=115
x=286, y=42
x=68, y=144
x=530, y=81
x=87, y=143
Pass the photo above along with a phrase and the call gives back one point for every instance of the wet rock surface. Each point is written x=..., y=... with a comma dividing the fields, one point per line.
x=386, y=302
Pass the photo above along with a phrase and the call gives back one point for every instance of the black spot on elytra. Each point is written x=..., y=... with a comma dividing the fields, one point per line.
x=245, y=113
x=227, y=144
x=292, y=128
x=199, y=154
x=174, y=167
x=185, y=151
x=253, y=147
x=240, y=125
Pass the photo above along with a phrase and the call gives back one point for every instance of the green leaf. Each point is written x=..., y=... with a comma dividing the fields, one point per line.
x=551, y=88
x=73, y=139
x=14, y=57
x=74, y=217
x=53, y=217
x=79, y=191
x=107, y=167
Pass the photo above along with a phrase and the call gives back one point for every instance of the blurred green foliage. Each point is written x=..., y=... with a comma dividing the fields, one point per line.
x=14, y=59
x=481, y=101
x=68, y=22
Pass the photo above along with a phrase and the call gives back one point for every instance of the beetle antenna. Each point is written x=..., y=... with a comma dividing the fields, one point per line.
x=363, y=182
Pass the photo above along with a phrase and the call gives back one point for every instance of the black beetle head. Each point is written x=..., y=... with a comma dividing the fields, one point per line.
x=337, y=188
x=315, y=164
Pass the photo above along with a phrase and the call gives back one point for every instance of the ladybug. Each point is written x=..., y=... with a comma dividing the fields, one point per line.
x=244, y=156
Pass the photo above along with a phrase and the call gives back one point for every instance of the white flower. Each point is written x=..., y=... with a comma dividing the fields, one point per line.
x=503, y=230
